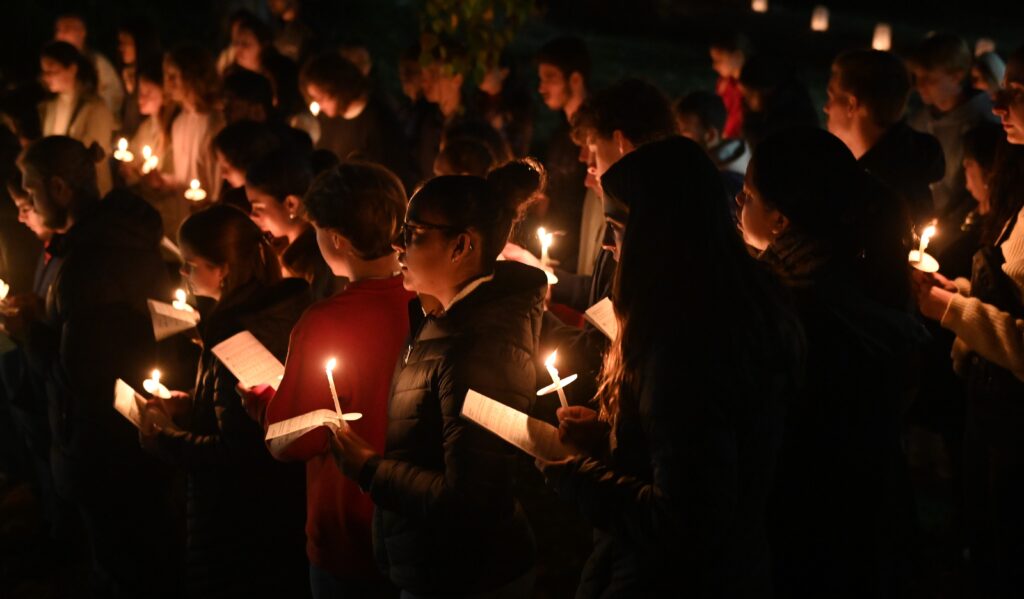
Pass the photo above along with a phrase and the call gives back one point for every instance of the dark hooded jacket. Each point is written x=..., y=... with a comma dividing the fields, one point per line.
x=447, y=522
x=98, y=329
x=246, y=511
x=908, y=162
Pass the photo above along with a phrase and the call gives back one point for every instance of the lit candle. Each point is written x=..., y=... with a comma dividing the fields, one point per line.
x=759, y=5
x=546, y=239
x=558, y=384
x=819, y=19
x=122, y=153
x=194, y=192
x=921, y=260
x=882, y=39
x=153, y=386
x=179, y=302
x=4, y=290
x=334, y=392
x=314, y=108
x=150, y=161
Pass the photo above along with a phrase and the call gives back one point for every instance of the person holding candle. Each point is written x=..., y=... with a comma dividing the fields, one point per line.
x=74, y=108
x=841, y=511
x=244, y=510
x=356, y=210
x=447, y=520
x=96, y=329
x=986, y=316
x=676, y=482
x=138, y=45
x=192, y=83
x=355, y=123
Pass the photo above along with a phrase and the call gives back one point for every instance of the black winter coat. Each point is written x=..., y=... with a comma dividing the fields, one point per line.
x=246, y=511
x=908, y=162
x=447, y=522
x=98, y=329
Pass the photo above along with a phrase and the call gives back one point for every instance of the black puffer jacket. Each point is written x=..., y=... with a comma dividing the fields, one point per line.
x=447, y=522
x=246, y=511
x=98, y=330
x=908, y=162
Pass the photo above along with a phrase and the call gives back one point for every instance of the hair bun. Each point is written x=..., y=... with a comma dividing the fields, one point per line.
x=95, y=152
x=517, y=184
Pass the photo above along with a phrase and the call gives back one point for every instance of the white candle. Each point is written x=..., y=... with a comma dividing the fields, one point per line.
x=179, y=302
x=122, y=153
x=546, y=240
x=150, y=161
x=819, y=19
x=194, y=192
x=153, y=386
x=4, y=290
x=759, y=5
x=334, y=392
x=882, y=39
x=550, y=364
x=314, y=108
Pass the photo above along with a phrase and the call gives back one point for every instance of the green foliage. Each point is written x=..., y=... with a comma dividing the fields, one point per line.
x=468, y=36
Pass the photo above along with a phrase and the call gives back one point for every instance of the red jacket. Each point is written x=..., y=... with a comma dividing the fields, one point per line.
x=365, y=328
x=728, y=89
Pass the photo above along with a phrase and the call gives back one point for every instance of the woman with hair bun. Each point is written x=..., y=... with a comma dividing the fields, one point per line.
x=447, y=521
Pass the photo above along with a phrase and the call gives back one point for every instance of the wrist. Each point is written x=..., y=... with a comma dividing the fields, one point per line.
x=367, y=472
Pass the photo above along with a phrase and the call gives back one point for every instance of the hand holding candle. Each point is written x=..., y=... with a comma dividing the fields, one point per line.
x=331, y=364
x=154, y=387
x=194, y=192
x=150, y=161
x=558, y=384
x=921, y=260
x=122, y=153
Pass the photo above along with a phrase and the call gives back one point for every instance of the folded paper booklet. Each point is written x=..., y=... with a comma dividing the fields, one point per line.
x=169, y=321
x=533, y=436
x=250, y=362
x=602, y=316
x=282, y=434
x=128, y=402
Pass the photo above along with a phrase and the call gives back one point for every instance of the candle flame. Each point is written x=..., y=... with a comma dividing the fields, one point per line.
x=155, y=375
x=550, y=362
x=147, y=152
x=180, y=295
x=122, y=144
x=314, y=108
x=194, y=184
x=927, y=234
x=331, y=364
x=546, y=239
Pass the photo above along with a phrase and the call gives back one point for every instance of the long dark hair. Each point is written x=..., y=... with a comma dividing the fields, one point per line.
x=1006, y=184
x=490, y=206
x=679, y=223
x=198, y=73
x=146, y=37
x=225, y=236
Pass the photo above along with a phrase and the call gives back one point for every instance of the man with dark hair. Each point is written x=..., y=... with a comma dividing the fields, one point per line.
x=563, y=67
x=867, y=96
x=941, y=66
x=354, y=122
x=701, y=116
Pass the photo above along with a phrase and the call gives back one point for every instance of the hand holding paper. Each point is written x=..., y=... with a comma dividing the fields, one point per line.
x=169, y=321
x=536, y=438
x=250, y=362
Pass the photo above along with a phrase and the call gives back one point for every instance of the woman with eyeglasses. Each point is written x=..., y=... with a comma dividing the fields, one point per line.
x=447, y=522
x=987, y=316
x=245, y=511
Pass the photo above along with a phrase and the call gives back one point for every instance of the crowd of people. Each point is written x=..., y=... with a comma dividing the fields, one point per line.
x=747, y=427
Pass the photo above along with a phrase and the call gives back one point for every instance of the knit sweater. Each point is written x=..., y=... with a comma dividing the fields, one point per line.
x=984, y=329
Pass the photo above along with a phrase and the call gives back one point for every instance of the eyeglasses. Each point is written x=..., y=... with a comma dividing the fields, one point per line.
x=409, y=230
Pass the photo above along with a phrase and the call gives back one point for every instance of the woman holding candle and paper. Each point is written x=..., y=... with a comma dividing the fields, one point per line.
x=987, y=317
x=245, y=511
x=842, y=512
x=356, y=209
x=447, y=521
x=674, y=471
